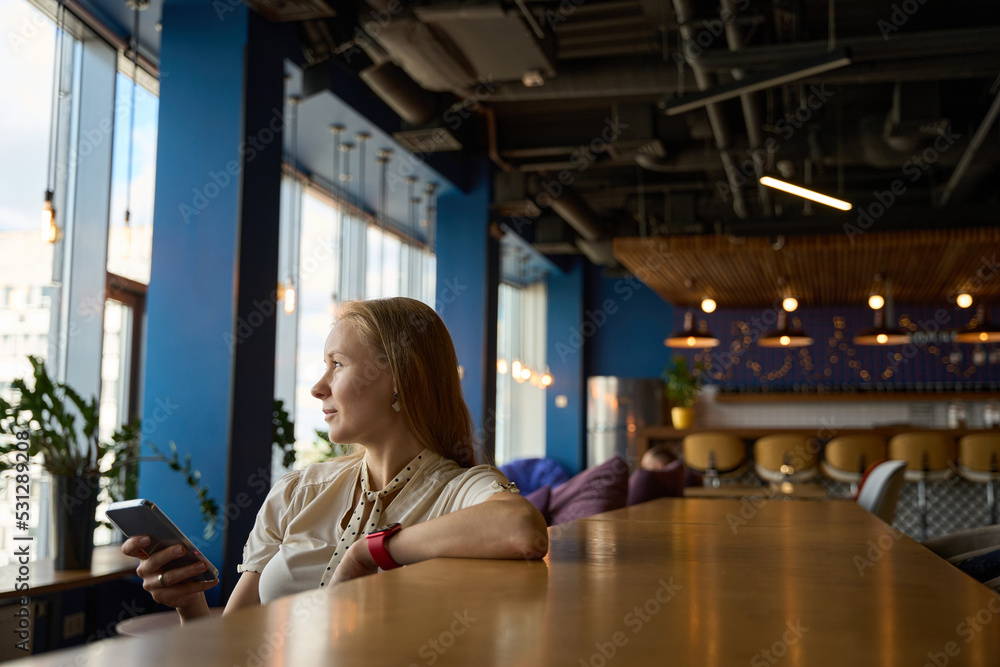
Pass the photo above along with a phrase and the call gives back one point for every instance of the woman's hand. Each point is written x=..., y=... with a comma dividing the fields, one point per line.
x=357, y=562
x=174, y=589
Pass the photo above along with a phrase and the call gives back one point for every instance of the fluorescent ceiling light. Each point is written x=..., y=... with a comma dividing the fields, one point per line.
x=804, y=193
x=755, y=82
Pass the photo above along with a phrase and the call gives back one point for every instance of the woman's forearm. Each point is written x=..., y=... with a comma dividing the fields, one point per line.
x=197, y=609
x=505, y=526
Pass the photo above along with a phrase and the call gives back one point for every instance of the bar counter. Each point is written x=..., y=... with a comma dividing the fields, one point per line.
x=674, y=581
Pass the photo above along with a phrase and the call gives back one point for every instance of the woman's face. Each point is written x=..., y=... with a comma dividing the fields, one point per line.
x=356, y=389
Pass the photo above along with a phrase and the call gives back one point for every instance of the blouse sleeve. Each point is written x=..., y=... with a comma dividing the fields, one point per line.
x=269, y=528
x=477, y=484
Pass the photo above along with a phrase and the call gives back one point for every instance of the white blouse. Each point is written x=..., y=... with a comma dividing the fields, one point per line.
x=299, y=525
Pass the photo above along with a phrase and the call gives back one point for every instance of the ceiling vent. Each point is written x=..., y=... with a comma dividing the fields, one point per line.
x=428, y=140
x=629, y=150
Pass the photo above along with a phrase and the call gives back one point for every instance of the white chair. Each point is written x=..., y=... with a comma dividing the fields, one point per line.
x=880, y=490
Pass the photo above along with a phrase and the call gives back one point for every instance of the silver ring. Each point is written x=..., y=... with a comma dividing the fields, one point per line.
x=159, y=578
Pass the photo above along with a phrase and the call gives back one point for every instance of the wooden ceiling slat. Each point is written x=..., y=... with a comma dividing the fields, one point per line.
x=925, y=266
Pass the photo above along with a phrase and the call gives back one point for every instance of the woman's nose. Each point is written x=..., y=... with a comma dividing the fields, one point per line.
x=319, y=390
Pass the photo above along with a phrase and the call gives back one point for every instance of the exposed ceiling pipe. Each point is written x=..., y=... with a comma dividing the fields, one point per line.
x=957, y=42
x=716, y=118
x=755, y=135
x=639, y=78
x=393, y=85
x=571, y=208
x=970, y=152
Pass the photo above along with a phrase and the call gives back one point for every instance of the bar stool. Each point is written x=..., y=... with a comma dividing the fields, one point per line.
x=715, y=455
x=786, y=458
x=928, y=457
x=978, y=454
x=846, y=457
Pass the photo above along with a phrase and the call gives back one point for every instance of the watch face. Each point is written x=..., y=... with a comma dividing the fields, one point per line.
x=383, y=528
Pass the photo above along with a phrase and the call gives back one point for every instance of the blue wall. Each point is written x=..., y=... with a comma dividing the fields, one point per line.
x=629, y=321
x=188, y=389
x=463, y=284
x=565, y=428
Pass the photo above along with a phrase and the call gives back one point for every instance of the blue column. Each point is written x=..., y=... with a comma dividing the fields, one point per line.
x=467, y=274
x=565, y=427
x=209, y=371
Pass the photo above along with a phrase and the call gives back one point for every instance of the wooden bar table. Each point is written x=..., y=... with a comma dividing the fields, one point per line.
x=673, y=581
x=107, y=563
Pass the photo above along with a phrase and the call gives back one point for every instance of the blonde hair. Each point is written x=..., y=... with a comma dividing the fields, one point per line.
x=408, y=336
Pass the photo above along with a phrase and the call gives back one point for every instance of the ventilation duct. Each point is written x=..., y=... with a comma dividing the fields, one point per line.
x=414, y=105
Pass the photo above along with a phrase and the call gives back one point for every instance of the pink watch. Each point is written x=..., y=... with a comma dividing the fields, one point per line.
x=376, y=545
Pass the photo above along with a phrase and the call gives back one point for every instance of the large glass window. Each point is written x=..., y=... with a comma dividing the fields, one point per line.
x=521, y=371
x=341, y=256
x=26, y=60
x=130, y=249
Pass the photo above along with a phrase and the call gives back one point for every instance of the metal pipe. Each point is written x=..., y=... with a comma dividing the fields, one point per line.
x=720, y=129
x=970, y=151
x=755, y=135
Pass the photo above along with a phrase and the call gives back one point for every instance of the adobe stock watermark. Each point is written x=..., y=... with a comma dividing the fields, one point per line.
x=779, y=649
x=691, y=49
x=968, y=629
x=432, y=650
x=786, y=127
x=915, y=167
x=635, y=620
x=406, y=164
x=593, y=320
x=750, y=505
x=877, y=548
x=218, y=181
x=900, y=14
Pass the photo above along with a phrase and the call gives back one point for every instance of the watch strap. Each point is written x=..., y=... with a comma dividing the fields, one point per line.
x=377, y=549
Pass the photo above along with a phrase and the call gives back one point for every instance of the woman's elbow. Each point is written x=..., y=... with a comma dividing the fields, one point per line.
x=530, y=540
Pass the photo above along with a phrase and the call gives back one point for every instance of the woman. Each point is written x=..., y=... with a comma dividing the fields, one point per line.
x=391, y=386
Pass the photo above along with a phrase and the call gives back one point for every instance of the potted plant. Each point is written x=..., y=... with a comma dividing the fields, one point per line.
x=79, y=461
x=682, y=387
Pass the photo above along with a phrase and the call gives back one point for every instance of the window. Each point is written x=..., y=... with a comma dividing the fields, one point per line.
x=520, y=347
x=130, y=252
x=47, y=290
x=340, y=257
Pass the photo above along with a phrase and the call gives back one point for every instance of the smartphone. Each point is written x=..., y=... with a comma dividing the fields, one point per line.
x=142, y=517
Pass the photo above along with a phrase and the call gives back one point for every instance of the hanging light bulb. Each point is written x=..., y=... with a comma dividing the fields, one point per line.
x=525, y=373
x=964, y=300
x=50, y=231
x=288, y=296
x=875, y=298
x=515, y=369
x=546, y=378
x=502, y=366
x=708, y=305
x=789, y=304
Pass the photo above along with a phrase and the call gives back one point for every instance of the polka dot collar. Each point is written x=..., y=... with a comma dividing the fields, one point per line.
x=355, y=530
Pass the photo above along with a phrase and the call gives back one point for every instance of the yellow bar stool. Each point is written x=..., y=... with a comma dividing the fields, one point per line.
x=929, y=457
x=846, y=457
x=786, y=458
x=978, y=454
x=715, y=455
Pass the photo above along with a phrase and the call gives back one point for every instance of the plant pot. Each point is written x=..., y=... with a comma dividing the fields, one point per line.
x=682, y=417
x=74, y=506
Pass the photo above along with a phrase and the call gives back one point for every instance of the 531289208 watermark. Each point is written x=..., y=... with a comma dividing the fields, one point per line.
x=22, y=554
